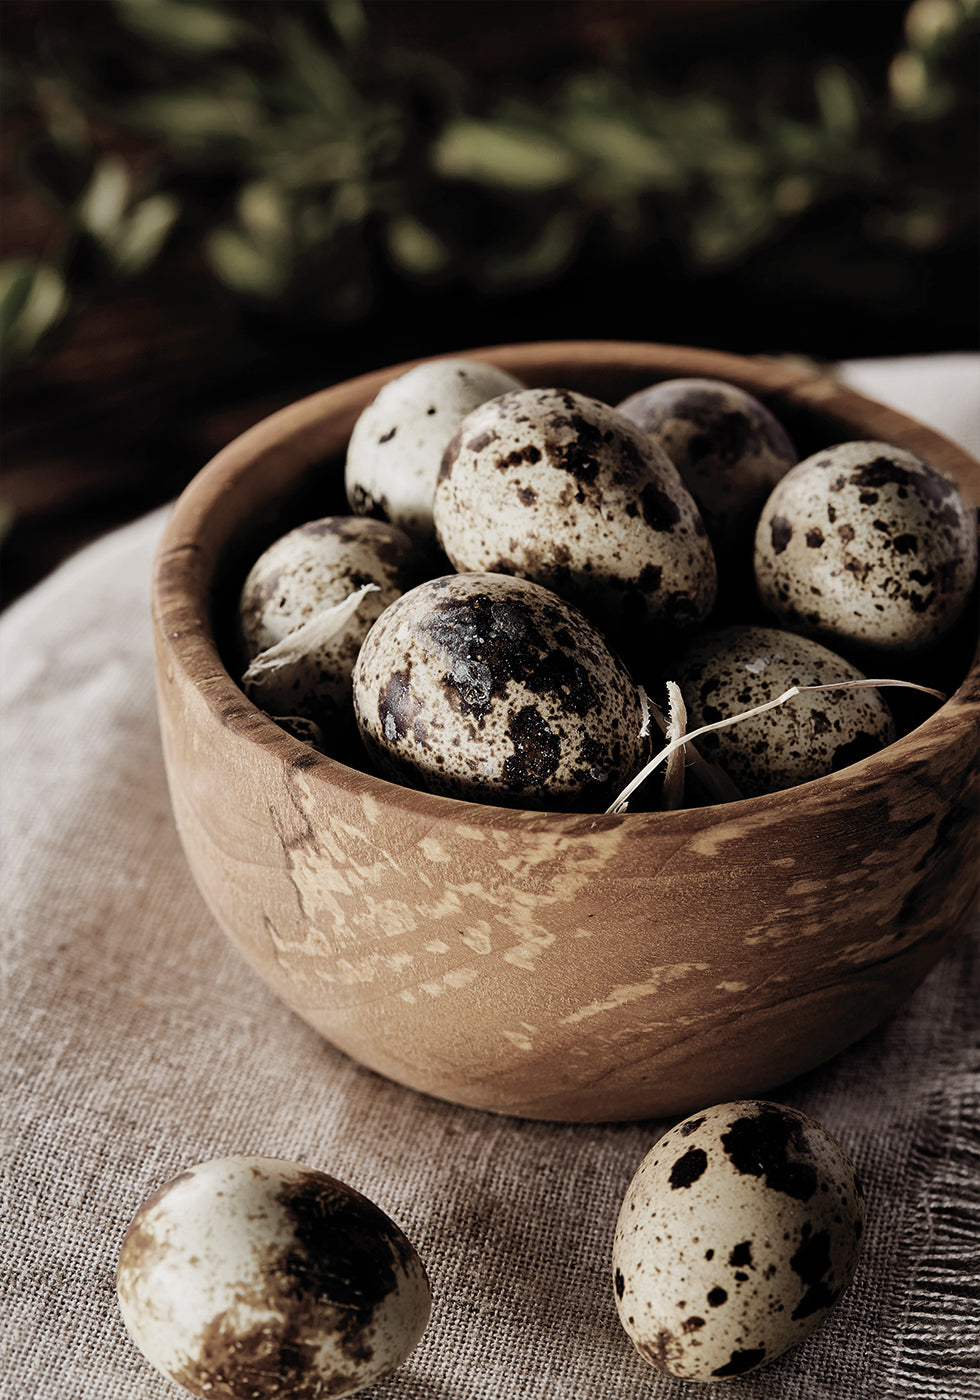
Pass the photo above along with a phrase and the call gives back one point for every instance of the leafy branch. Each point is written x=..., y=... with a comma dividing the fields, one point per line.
x=288, y=153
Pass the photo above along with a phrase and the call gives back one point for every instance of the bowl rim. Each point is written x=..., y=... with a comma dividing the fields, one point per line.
x=180, y=583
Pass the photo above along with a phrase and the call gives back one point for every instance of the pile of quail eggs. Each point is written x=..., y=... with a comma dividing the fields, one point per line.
x=523, y=570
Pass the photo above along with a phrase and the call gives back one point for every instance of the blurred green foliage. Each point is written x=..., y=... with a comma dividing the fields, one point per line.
x=287, y=154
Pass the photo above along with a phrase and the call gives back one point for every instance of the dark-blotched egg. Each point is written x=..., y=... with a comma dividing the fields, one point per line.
x=866, y=546
x=559, y=488
x=738, y=1234
x=728, y=670
x=251, y=1277
x=306, y=606
x=493, y=689
x=397, y=444
x=728, y=447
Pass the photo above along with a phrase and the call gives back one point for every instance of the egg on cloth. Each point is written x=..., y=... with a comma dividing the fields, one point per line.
x=306, y=606
x=557, y=487
x=493, y=689
x=728, y=447
x=738, y=1233
x=397, y=443
x=250, y=1277
x=727, y=670
x=867, y=546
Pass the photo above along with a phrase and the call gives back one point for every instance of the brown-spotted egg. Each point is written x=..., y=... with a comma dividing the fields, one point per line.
x=728, y=447
x=397, y=443
x=868, y=547
x=728, y=670
x=739, y=1232
x=493, y=689
x=251, y=1277
x=300, y=661
x=557, y=487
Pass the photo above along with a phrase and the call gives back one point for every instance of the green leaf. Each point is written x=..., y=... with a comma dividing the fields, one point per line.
x=931, y=24
x=540, y=257
x=504, y=154
x=179, y=24
x=246, y=266
x=197, y=120
x=740, y=219
x=415, y=248
x=16, y=278
x=102, y=207
x=264, y=211
x=321, y=76
x=793, y=193
x=627, y=159
x=915, y=90
x=349, y=21
x=33, y=298
x=141, y=237
x=796, y=146
x=840, y=100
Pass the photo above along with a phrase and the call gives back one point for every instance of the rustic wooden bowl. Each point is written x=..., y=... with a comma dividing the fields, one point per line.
x=554, y=966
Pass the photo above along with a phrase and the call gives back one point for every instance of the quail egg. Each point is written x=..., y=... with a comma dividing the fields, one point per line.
x=559, y=488
x=493, y=689
x=727, y=446
x=306, y=606
x=866, y=546
x=731, y=669
x=250, y=1277
x=397, y=444
x=739, y=1232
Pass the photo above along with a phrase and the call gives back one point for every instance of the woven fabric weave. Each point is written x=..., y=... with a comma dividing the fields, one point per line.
x=136, y=1042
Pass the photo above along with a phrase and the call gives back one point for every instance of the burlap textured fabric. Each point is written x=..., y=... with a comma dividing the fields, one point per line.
x=136, y=1042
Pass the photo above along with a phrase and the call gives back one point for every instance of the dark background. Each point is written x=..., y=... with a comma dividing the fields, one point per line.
x=776, y=176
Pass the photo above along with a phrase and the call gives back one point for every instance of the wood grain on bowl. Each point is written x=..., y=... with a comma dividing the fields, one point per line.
x=541, y=964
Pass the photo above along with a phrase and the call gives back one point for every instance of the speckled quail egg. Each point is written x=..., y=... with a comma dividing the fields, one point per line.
x=397, y=444
x=559, y=488
x=739, y=1232
x=306, y=606
x=493, y=689
x=866, y=546
x=728, y=670
x=728, y=447
x=248, y=1277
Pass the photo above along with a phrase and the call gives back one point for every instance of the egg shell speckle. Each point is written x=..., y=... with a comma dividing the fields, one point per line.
x=731, y=669
x=559, y=488
x=493, y=689
x=250, y=1277
x=306, y=571
x=397, y=443
x=729, y=449
x=739, y=1232
x=865, y=545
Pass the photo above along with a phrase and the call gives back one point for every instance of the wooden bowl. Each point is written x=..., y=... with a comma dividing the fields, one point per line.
x=554, y=966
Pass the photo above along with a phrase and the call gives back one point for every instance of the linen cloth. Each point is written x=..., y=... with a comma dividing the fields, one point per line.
x=136, y=1042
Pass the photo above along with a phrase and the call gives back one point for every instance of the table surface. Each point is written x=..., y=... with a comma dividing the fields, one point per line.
x=136, y=1042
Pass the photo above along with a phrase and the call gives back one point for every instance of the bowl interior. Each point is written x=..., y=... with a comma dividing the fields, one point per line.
x=256, y=505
